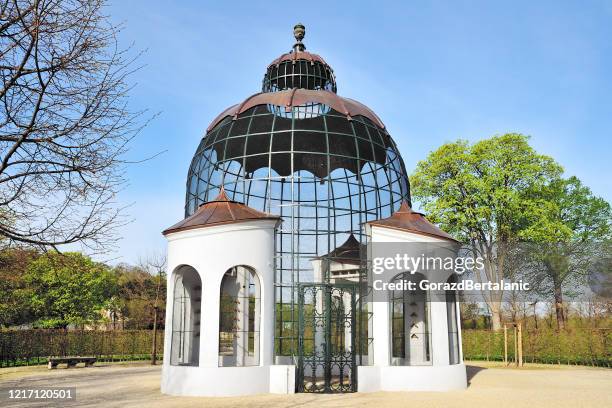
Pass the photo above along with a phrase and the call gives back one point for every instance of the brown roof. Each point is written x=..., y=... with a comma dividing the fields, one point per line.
x=298, y=55
x=298, y=97
x=219, y=211
x=407, y=220
x=349, y=252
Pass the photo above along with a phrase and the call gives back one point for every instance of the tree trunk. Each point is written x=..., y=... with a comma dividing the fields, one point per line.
x=559, y=307
x=64, y=348
x=496, y=320
x=154, y=351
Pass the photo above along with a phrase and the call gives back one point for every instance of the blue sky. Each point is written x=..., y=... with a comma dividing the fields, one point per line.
x=433, y=71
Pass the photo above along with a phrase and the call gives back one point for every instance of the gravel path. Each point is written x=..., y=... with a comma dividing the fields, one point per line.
x=138, y=386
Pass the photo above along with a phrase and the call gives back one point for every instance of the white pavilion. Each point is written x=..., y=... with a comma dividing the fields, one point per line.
x=268, y=282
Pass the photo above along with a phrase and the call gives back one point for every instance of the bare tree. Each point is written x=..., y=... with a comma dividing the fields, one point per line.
x=64, y=122
x=155, y=265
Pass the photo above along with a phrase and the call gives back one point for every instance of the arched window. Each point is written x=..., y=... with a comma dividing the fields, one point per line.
x=410, y=328
x=187, y=300
x=453, y=324
x=239, y=318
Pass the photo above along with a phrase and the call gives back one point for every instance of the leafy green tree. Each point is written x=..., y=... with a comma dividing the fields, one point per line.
x=478, y=193
x=68, y=288
x=141, y=294
x=14, y=304
x=571, y=231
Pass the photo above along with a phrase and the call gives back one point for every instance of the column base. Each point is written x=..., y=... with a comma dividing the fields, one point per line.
x=227, y=381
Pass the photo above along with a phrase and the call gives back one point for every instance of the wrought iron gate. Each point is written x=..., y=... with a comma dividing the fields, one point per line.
x=326, y=338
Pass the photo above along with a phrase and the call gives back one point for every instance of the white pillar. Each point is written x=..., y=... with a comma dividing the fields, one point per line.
x=266, y=318
x=209, y=315
x=459, y=339
x=439, y=333
x=348, y=310
x=381, y=333
x=241, y=335
x=319, y=331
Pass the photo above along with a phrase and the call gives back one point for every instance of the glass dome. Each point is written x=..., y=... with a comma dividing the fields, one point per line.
x=324, y=163
x=325, y=175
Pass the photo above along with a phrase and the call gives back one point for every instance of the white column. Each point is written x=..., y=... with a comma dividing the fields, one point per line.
x=196, y=308
x=187, y=324
x=209, y=317
x=241, y=336
x=381, y=333
x=348, y=309
x=370, y=323
x=266, y=318
x=459, y=339
x=257, y=323
x=169, y=309
x=319, y=331
x=439, y=333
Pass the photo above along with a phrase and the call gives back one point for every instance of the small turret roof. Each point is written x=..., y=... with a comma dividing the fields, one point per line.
x=219, y=211
x=349, y=252
x=407, y=220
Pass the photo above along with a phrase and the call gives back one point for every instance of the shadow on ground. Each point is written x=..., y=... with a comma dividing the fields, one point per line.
x=472, y=371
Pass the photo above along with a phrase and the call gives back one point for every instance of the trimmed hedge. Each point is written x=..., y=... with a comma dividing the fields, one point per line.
x=26, y=347
x=591, y=347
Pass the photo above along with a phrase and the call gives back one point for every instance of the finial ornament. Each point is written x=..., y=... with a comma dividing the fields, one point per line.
x=299, y=31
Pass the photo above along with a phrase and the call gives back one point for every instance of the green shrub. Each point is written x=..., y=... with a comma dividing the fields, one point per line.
x=577, y=346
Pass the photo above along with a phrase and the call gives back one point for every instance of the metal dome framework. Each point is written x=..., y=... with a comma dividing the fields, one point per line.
x=299, y=73
x=325, y=170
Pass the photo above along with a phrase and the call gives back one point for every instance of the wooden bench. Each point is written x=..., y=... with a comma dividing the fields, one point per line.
x=71, y=361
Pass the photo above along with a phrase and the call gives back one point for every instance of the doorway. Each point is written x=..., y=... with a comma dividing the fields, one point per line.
x=326, y=338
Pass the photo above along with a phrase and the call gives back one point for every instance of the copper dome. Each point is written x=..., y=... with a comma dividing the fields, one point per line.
x=297, y=56
x=300, y=97
x=219, y=211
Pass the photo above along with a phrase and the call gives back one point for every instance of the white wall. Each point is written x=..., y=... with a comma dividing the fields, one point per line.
x=381, y=375
x=211, y=251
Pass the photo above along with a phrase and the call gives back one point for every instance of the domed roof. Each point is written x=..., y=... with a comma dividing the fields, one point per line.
x=297, y=56
x=407, y=220
x=298, y=135
x=299, y=123
x=219, y=211
x=300, y=97
x=299, y=69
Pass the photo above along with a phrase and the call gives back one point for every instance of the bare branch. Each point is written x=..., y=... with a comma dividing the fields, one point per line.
x=65, y=123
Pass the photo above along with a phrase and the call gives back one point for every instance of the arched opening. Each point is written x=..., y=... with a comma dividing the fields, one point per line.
x=410, y=323
x=187, y=300
x=239, y=318
x=453, y=324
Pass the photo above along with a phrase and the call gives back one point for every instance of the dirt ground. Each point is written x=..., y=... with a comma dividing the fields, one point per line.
x=137, y=385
